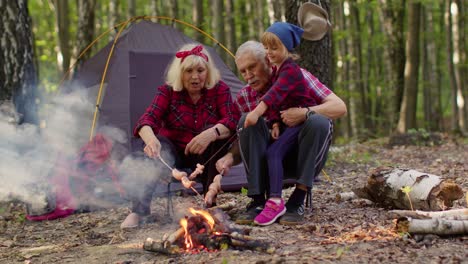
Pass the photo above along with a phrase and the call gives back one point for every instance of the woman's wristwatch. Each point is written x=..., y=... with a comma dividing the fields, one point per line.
x=309, y=113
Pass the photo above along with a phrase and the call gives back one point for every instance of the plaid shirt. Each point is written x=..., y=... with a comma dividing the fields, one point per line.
x=247, y=98
x=173, y=114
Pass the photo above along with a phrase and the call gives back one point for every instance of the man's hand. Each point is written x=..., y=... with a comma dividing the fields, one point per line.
x=251, y=119
x=275, y=131
x=199, y=143
x=225, y=163
x=153, y=148
x=293, y=116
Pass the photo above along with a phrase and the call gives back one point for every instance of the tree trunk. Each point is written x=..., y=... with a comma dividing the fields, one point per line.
x=253, y=33
x=197, y=17
x=426, y=191
x=342, y=74
x=113, y=17
x=274, y=10
x=408, y=106
x=62, y=26
x=18, y=76
x=457, y=27
x=451, y=67
x=85, y=28
x=131, y=8
x=259, y=15
x=319, y=61
x=393, y=15
x=231, y=33
x=431, y=94
x=217, y=24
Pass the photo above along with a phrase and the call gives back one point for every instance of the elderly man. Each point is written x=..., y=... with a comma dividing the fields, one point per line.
x=310, y=152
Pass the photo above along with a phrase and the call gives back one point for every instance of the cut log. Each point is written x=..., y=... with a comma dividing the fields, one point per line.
x=436, y=226
x=160, y=247
x=428, y=192
x=454, y=214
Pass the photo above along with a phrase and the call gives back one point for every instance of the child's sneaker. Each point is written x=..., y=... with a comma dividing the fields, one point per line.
x=270, y=213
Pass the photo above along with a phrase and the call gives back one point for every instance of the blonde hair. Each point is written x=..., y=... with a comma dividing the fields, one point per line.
x=271, y=40
x=177, y=67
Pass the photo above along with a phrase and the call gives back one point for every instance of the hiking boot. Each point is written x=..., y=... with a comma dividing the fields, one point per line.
x=294, y=215
x=247, y=217
x=131, y=221
x=270, y=213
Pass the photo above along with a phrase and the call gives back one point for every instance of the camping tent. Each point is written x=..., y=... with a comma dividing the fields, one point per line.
x=136, y=68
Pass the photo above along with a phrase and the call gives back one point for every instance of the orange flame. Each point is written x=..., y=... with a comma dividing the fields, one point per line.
x=188, y=238
x=209, y=219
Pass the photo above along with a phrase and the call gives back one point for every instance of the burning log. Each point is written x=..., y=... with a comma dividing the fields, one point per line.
x=437, y=226
x=206, y=230
x=427, y=191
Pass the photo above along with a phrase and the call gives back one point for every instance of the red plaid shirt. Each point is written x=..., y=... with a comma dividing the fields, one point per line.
x=173, y=114
x=247, y=98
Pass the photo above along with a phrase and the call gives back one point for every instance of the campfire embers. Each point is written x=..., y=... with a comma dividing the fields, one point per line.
x=206, y=230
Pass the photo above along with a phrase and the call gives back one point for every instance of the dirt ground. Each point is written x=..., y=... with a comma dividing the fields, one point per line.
x=334, y=232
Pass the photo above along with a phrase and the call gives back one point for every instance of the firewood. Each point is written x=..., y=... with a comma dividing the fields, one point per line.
x=454, y=214
x=175, y=235
x=346, y=196
x=253, y=245
x=160, y=247
x=225, y=206
x=427, y=191
x=436, y=226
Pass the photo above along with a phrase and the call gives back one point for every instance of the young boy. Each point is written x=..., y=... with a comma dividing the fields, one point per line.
x=289, y=89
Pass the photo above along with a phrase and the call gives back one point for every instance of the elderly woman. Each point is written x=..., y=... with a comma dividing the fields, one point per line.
x=191, y=116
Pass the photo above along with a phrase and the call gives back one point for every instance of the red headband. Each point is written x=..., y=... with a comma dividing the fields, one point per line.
x=195, y=51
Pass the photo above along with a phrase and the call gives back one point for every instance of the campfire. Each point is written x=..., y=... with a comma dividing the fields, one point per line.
x=206, y=230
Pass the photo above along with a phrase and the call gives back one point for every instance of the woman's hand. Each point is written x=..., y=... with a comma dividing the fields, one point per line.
x=199, y=143
x=293, y=116
x=153, y=148
x=275, y=131
x=251, y=119
x=225, y=163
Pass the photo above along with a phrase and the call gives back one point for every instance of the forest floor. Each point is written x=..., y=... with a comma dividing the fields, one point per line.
x=334, y=232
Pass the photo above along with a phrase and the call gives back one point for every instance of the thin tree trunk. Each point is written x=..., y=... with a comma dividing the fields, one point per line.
x=231, y=33
x=197, y=17
x=62, y=25
x=431, y=95
x=113, y=17
x=259, y=15
x=253, y=33
x=342, y=73
x=217, y=24
x=274, y=10
x=408, y=106
x=18, y=76
x=451, y=67
x=154, y=10
x=393, y=15
x=85, y=35
x=131, y=8
x=457, y=21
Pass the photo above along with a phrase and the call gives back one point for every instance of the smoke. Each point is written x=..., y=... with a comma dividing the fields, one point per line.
x=32, y=154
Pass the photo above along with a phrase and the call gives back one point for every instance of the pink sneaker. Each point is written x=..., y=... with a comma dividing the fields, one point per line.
x=270, y=213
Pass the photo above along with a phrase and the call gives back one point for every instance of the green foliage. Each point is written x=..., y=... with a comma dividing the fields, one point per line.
x=406, y=190
x=244, y=191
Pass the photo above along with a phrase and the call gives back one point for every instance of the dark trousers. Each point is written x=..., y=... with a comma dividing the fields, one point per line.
x=141, y=203
x=304, y=161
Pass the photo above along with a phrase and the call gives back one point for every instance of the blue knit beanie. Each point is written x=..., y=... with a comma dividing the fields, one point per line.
x=289, y=34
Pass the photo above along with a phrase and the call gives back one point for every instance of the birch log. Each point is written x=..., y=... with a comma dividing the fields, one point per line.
x=428, y=192
x=436, y=226
x=454, y=214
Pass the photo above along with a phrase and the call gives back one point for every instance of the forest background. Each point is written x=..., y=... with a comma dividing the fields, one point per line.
x=399, y=65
